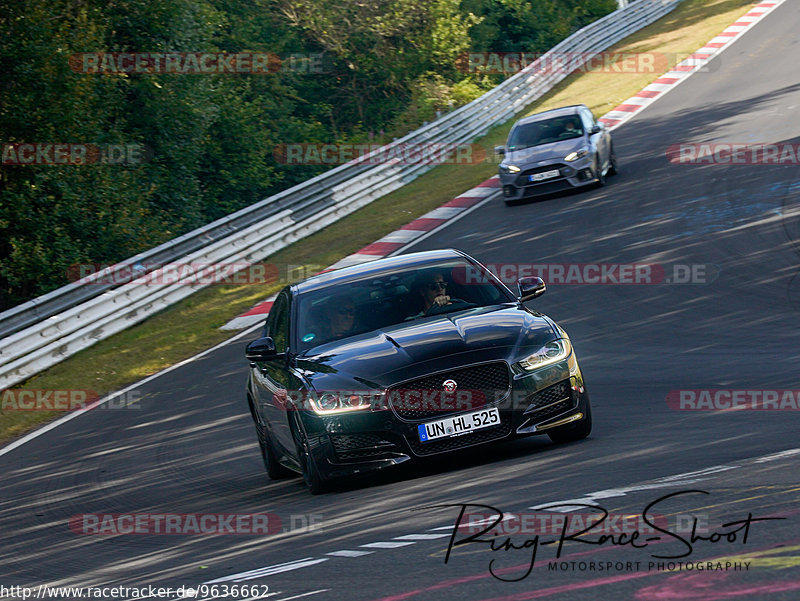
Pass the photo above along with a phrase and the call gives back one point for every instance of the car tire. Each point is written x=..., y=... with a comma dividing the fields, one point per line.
x=612, y=162
x=275, y=470
x=314, y=481
x=601, y=178
x=574, y=432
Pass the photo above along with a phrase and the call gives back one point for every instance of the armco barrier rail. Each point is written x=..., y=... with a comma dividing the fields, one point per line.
x=46, y=330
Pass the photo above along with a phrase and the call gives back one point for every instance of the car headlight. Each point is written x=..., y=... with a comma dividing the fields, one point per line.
x=550, y=353
x=509, y=168
x=574, y=156
x=340, y=401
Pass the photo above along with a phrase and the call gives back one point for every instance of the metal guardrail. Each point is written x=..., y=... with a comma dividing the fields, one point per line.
x=48, y=329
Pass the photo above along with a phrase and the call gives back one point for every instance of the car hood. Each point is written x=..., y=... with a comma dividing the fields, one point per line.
x=555, y=151
x=384, y=357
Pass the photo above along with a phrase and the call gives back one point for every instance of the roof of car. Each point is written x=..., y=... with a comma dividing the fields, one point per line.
x=559, y=112
x=377, y=267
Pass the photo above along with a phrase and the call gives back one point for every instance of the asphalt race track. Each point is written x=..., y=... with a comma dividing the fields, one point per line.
x=189, y=446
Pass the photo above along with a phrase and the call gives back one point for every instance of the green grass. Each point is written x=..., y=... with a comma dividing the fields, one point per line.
x=193, y=325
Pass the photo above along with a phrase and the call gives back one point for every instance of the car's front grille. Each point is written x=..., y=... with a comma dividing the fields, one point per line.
x=523, y=180
x=458, y=442
x=363, y=445
x=476, y=386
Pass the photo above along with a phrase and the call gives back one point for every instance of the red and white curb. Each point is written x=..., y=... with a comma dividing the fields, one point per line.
x=392, y=243
x=387, y=245
x=692, y=64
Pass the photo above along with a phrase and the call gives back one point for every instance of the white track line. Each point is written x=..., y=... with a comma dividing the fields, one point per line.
x=72, y=415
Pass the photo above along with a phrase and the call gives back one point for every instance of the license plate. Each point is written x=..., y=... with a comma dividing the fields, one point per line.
x=458, y=424
x=537, y=177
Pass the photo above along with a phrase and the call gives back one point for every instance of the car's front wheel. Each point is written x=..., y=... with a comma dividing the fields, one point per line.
x=598, y=171
x=612, y=162
x=312, y=477
x=573, y=432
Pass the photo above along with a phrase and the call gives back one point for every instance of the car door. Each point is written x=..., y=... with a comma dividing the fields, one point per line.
x=599, y=140
x=276, y=381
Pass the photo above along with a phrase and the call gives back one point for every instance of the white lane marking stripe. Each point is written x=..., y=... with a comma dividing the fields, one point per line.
x=243, y=321
x=676, y=480
x=776, y=456
x=269, y=570
x=250, y=599
x=322, y=590
x=386, y=545
x=402, y=236
x=443, y=213
x=113, y=395
x=638, y=100
x=657, y=87
x=420, y=536
x=354, y=259
x=348, y=553
x=476, y=192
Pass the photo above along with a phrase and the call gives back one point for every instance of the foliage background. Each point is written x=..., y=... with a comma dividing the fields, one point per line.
x=389, y=65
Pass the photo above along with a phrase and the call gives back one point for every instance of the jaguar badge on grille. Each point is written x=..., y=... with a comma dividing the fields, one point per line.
x=449, y=385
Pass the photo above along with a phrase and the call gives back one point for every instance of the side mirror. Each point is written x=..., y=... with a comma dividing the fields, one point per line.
x=501, y=150
x=261, y=349
x=596, y=129
x=530, y=288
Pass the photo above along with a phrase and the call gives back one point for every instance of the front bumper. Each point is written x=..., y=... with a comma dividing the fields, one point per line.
x=357, y=443
x=572, y=175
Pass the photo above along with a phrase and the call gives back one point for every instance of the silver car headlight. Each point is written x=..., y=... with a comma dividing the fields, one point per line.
x=578, y=154
x=509, y=169
x=550, y=353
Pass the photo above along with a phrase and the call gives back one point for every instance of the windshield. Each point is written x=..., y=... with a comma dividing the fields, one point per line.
x=364, y=305
x=545, y=132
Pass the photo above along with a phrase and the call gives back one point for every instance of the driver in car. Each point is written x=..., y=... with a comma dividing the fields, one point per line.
x=571, y=130
x=431, y=290
x=434, y=292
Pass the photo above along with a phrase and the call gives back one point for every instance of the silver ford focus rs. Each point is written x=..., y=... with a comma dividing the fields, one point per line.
x=556, y=150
